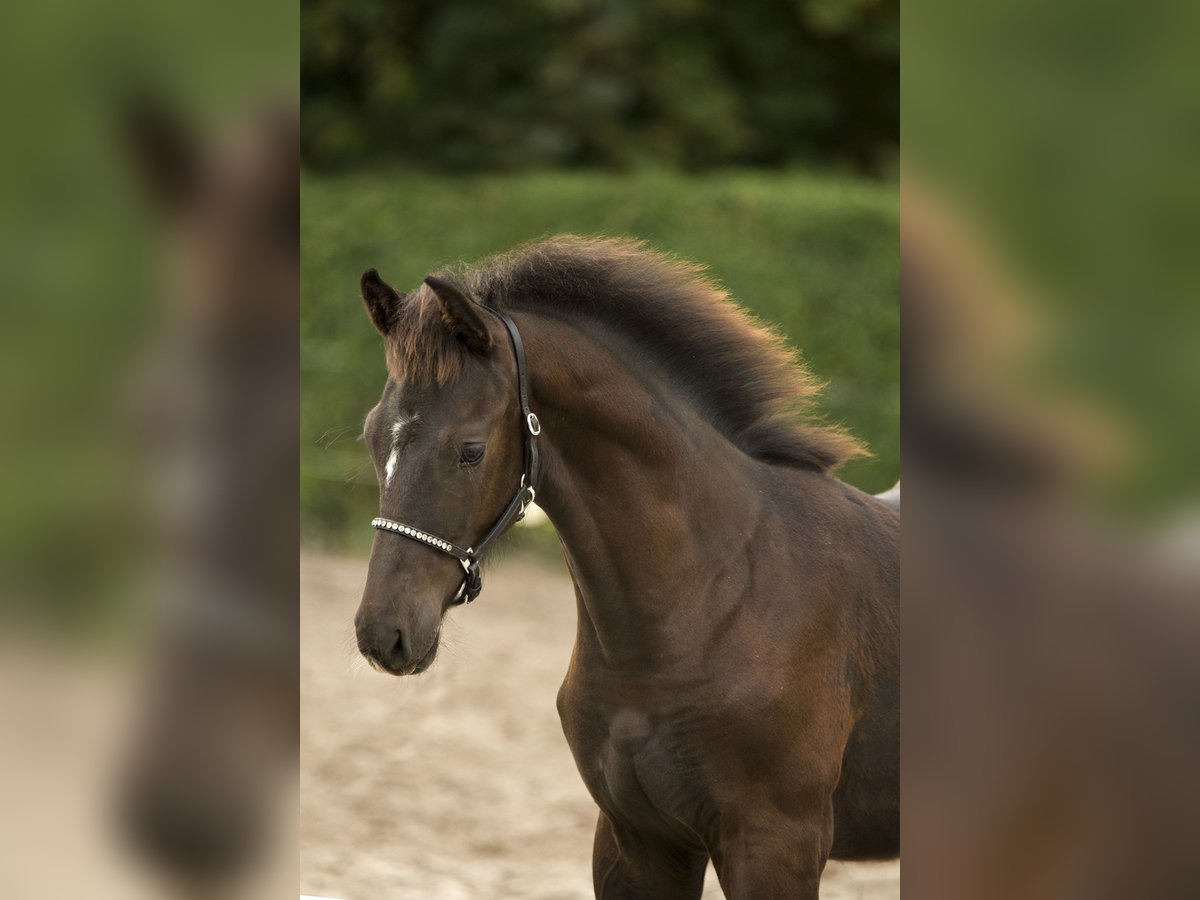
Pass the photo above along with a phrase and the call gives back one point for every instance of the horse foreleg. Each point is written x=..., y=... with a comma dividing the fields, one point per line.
x=768, y=859
x=627, y=865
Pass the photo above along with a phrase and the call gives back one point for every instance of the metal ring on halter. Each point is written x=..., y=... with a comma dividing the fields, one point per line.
x=535, y=426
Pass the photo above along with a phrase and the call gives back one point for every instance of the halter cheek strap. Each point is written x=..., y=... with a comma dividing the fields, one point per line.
x=515, y=511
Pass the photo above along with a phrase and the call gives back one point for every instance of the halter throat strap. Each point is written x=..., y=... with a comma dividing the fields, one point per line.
x=515, y=510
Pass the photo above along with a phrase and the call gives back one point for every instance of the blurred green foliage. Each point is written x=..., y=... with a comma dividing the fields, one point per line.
x=81, y=254
x=817, y=256
x=503, y=84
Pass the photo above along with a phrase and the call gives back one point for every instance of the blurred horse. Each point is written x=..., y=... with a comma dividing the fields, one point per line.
x=1051, y=681
x=734, y=688
x=218, y=412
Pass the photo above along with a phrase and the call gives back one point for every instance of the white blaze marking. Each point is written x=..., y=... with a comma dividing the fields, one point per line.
x=393, y=459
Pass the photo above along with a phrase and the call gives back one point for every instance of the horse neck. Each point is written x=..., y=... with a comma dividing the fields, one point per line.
x=648, y=498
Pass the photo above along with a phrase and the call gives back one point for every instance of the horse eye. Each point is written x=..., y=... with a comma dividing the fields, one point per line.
x=470, y=454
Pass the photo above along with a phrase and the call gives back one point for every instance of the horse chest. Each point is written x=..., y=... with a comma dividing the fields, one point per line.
x=633, y=759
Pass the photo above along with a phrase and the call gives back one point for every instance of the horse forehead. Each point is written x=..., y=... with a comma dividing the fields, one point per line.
x=468, y=399
x=402, y=420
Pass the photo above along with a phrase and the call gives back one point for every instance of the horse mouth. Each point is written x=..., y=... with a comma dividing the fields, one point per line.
x=416, y=668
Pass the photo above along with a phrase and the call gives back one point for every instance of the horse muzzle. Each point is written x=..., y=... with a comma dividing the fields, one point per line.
x=393, y=650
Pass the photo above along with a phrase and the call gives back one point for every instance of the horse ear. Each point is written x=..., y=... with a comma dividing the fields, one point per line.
x=165, y=152
x=381, y=298
x=461, y=314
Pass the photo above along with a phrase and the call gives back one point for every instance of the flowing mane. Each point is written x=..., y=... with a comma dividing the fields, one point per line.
x=746, y=379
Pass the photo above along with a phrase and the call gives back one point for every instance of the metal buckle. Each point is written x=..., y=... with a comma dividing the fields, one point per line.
x=535, y=427
x=527, y=494
x=472, y=582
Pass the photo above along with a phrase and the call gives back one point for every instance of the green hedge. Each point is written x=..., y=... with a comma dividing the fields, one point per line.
x=817, y=256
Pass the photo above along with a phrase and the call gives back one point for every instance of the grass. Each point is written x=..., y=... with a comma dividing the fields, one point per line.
x=815, y=255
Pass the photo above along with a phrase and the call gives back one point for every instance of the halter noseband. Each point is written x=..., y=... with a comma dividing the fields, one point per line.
x=514, y=512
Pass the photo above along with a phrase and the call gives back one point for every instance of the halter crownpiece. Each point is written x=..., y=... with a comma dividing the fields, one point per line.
x=515, y=511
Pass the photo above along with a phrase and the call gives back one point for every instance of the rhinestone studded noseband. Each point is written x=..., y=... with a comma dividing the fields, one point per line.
x=530, y=429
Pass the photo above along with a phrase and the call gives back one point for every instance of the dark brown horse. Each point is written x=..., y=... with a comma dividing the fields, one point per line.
x=733, y=691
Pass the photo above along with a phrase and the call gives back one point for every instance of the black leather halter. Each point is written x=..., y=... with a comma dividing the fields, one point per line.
x=514, y=512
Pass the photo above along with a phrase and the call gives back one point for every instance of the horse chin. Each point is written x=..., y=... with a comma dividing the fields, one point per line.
x=430, y=655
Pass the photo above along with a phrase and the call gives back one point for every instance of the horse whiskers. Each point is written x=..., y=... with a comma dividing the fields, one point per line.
x=333, y=435
x=352, y=474
x=355, y=661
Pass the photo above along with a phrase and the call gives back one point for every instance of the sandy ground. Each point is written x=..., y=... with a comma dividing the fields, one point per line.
x=68, y=712
x=457, y=783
